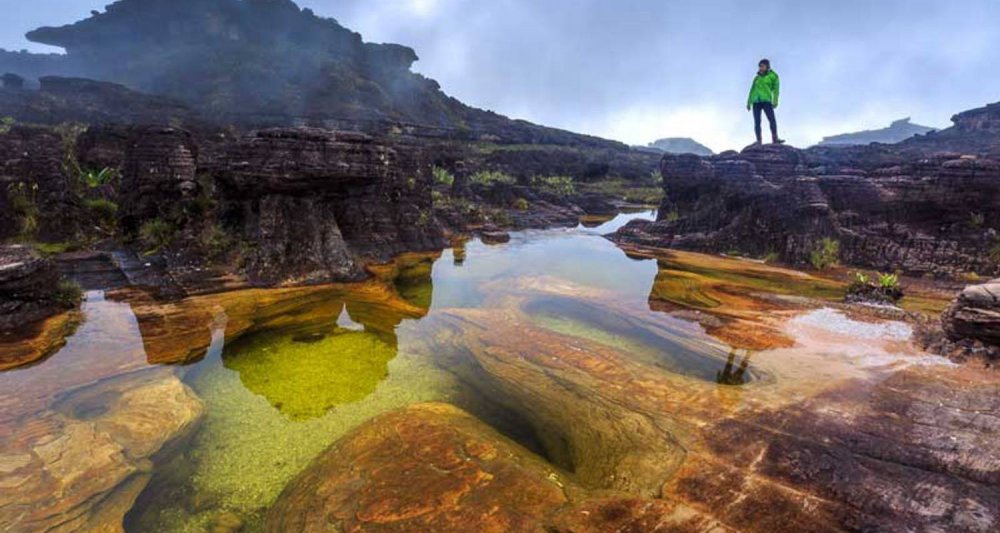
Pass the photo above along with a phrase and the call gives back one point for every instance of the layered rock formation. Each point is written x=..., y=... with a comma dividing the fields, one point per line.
x=886, y=209
x=36, y=313
x=975, y=314
x=36, y=198
x=62, y=99
x=316, y=202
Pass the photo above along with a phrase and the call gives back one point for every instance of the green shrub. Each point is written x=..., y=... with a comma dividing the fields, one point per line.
x=104, y=211
x=155, y=234
x=489, y=177
x=216, y=241
x=826, y=255
x=672, y=216
x=97, y=178
x=23, y=199
x=443, y=177
x=888, y=281
x=6, y=123
x=521, y=204
x=861, y=278
x=555, y=184
x=68, y=294
x=656, y=177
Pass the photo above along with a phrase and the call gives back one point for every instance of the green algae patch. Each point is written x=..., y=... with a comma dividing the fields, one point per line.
x=304, y=376
x=247, y=451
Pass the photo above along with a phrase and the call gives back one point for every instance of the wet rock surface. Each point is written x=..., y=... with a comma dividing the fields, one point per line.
x=80, y=464
x=35, y=316
x=433, y=467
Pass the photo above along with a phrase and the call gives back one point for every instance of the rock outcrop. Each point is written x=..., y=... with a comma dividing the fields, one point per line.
x=64, y=99
x=975, y=314
x=36, y=313
x=316, y=203
x=888, y=210
x=37, y=200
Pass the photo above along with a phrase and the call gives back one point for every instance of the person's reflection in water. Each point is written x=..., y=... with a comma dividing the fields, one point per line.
x=732, y=375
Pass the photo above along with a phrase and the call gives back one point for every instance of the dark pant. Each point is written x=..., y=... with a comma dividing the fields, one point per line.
x=768, y=110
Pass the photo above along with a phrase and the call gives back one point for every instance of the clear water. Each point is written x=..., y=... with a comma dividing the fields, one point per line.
x=277, y=397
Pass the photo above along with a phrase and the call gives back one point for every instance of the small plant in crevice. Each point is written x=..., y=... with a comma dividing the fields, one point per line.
x=216, y=241
x=98, y=178
x=105, y=213
x=826, y=255
x=443, y=177
x=672, y=216
x=555, y=184
x=489, y=177
x=995, y=251
x=68, y=294
x=23, y=200
x=6, y=123
x=521, y=204
x=771, y=257
x=976, y=220
x=155, y=234
x=656, y=177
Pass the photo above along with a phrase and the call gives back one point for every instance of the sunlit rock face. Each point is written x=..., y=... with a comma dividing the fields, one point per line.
x=83, y=460
x=433, y=467
x=887, y=207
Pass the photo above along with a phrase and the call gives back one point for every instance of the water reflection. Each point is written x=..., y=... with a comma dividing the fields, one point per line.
x=732, y=374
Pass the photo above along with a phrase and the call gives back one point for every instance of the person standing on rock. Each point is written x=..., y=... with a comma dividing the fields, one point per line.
x=764, y=97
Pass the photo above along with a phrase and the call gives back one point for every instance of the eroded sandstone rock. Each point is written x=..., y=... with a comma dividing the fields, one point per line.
x=975, y=314
x=433, y=467
x=79, y=464
x=888, y=208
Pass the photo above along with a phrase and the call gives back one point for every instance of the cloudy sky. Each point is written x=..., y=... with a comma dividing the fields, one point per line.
x=637, y=70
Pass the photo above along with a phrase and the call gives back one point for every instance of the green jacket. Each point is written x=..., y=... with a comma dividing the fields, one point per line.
x=764, y=89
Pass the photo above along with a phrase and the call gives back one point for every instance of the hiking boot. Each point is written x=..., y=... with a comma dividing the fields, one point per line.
x=757, y=143
x=778, y=141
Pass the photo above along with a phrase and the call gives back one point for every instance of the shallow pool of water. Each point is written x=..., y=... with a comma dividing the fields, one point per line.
x=288, y=386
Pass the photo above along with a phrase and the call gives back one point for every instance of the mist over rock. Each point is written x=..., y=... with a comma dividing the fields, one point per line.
x=899, y=130
x=677, y=145
x=265, y=62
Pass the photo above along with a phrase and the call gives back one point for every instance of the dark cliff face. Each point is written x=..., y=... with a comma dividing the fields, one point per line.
x=929, y=213
x=315, y=202
x=267, y=62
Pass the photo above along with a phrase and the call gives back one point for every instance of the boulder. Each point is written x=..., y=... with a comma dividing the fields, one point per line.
x=975, y=314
